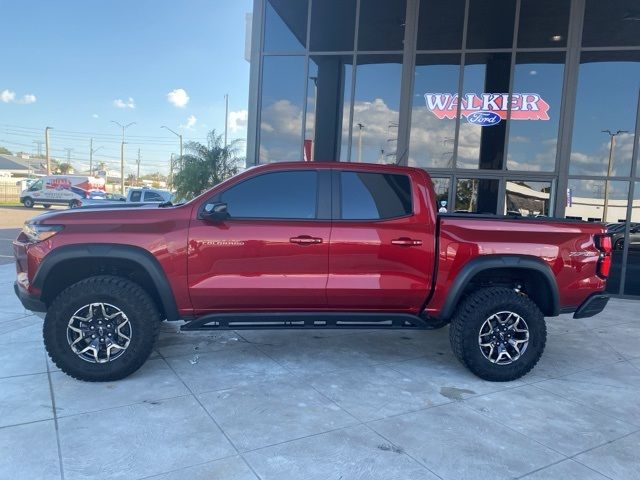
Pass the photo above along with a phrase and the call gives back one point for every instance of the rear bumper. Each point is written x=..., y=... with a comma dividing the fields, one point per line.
x=28, y=301
x=592, y=306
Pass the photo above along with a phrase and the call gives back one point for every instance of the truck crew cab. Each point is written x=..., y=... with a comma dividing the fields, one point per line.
x=306, y=245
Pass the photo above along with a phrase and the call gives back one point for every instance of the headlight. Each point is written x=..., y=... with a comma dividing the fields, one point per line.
x=38, y=233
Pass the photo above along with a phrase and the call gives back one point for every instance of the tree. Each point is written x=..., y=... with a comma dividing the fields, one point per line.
x=4, y=151
x=205, y=166
x=65, y=168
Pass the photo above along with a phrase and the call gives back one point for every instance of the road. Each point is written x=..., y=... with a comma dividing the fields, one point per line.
x=11, y=221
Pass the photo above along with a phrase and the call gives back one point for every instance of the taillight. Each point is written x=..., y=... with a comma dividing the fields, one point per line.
x=603, y=243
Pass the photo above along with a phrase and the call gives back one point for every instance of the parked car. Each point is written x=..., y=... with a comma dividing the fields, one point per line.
x=306, y=245
x=62, y=190
x=148, y=195
x=617, y=231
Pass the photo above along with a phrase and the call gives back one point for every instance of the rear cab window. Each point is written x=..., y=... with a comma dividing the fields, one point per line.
x=136, y=196
x=374, y=196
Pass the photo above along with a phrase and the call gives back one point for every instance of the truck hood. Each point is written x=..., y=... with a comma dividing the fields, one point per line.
x=103, y=214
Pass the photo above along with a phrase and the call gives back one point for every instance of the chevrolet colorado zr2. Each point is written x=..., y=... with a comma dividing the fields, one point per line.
x=306, y=245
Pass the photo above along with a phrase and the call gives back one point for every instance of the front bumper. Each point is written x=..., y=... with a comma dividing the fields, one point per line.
x=592, y=306
x=28, y=301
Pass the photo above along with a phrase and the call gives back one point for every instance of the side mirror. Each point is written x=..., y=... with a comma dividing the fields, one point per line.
x=215, y=212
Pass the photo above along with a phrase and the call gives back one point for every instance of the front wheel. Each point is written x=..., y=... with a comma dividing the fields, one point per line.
x=28, y=202
x=499, y=334
x=74, y=204
x=101, y=329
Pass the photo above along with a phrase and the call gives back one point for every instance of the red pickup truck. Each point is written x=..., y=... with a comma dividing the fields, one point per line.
x=306, y=245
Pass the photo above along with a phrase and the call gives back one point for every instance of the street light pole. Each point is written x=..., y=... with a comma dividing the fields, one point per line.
x=177, y=135
x=226, y=117
x=612, y=143
x=124, y=127
x=171, y=162
x=360, y=127
x=46, y=142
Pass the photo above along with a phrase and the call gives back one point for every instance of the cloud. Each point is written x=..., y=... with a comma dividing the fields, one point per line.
x=119, y=103
x=238, y=120
x=178, y=97
x=191, y=121
x=9, y=96
x=95, y=115
x=28, y=98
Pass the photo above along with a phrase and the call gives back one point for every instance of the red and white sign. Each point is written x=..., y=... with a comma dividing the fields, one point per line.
x=488, y=108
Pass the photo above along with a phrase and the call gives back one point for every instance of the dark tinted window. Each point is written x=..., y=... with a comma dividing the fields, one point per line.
x=333, y=25
x=381, y=24
x=611, y=23
x=373, y=196
x=274, y=195
x=440, y=24
x=152, y=197
x=136, y=196
x=285, y=25
x=491, y=23
x=543, y=23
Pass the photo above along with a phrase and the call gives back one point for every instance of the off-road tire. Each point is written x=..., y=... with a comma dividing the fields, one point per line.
x=471, y=315
x=129, y=297
x=28, y=202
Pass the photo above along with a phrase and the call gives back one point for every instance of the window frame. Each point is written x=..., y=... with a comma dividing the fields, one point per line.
x=337, y=197
x=323, y=197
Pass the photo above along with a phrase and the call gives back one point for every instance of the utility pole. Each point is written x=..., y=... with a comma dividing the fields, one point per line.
x=124, y=127
x=360, y=128
x=226, y=117
x=138, y=171
x=177, y=135
x=46, y=142
x=171, y=172
x=91, y=152
x=69, y=150
x=39, y=144
x=612, y=143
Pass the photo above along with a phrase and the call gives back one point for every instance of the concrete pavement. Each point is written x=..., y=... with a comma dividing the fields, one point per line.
x=324, y=405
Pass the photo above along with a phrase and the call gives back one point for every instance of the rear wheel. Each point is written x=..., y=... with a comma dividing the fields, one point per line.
x=498, y=334
x=28, y=202
x=101, y=329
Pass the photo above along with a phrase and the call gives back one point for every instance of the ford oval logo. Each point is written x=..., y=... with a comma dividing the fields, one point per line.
x=484, y=118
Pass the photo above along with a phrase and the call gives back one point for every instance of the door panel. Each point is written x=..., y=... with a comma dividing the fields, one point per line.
x=383, y=264
x=248, y=265
x=271, y=253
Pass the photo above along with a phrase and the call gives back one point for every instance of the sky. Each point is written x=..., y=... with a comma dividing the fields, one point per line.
x=77, y=65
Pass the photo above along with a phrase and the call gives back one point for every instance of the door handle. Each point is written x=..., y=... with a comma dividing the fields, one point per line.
x=406, y=242
x=305, y=240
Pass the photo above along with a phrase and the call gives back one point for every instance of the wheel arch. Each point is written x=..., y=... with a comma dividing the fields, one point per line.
x=540, y=283
x=71, y=263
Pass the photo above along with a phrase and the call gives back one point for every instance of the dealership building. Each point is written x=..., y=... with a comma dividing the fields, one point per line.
x=525, y=107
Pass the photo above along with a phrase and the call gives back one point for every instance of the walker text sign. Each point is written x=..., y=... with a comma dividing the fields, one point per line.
x=488, y=109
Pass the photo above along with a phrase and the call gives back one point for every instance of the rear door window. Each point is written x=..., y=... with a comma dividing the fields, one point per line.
x=152, y=197
x=374, y=196
x=136, y=196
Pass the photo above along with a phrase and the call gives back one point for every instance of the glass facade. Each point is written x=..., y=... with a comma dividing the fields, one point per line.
x=519, y=107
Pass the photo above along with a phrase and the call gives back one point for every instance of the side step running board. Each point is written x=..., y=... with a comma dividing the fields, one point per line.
x=307, y=320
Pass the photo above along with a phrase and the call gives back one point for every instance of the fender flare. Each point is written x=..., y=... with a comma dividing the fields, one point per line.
x=488, y=262
x=116, y=251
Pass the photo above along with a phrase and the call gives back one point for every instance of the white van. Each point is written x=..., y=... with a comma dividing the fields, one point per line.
x=61, y=190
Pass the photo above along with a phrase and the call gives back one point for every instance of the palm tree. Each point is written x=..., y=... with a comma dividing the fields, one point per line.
x=205, y=166
x=65, y=168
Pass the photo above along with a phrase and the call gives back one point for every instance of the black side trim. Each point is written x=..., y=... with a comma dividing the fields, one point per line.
x=29, y=302
x=593, y=305
x=127, y=252
x=307, y=320
x=488, y=262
